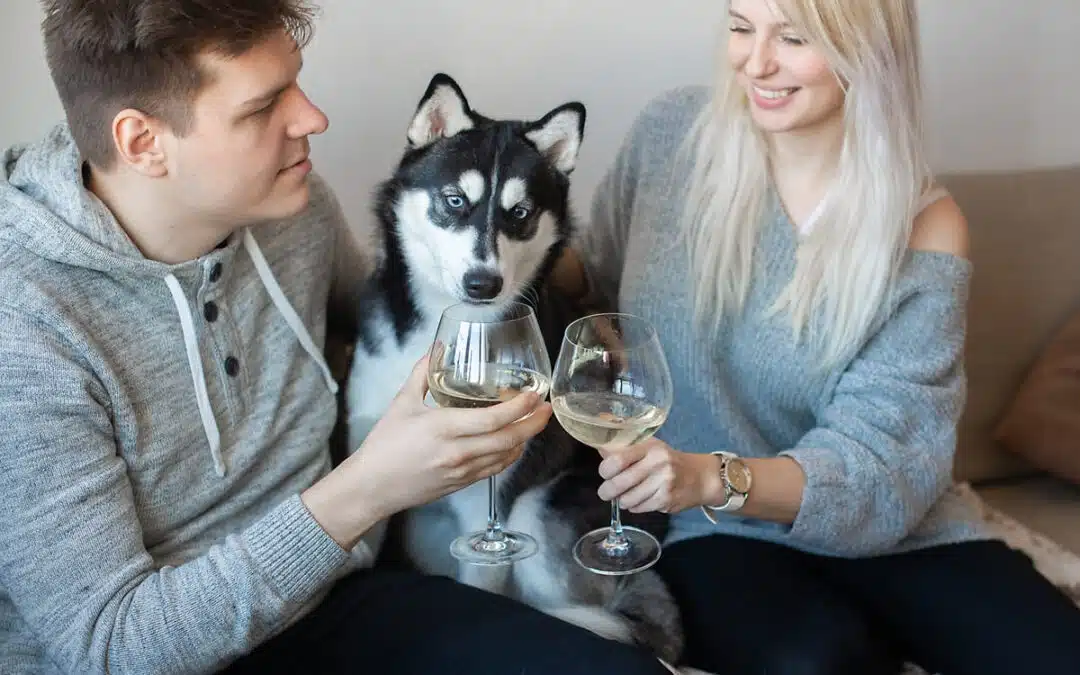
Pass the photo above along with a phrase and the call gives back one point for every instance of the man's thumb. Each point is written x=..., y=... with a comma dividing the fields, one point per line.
x=417, y=384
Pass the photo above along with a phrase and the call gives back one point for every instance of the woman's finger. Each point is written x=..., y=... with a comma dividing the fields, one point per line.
x=618, y=461
x=633, y=500
x=628, y=479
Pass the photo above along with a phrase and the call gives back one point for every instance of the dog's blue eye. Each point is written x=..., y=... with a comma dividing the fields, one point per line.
x=520, y=212
x=455, y=201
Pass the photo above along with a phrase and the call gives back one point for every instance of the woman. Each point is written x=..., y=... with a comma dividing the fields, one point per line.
x=808, y=280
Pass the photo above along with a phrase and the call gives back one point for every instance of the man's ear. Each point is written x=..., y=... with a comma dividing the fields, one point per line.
x=558, y=135
x=442, y=112
x=139, y=143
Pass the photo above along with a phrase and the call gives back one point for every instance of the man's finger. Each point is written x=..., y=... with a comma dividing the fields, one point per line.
x=486, y=420
x=506, y=439
x=489, y=465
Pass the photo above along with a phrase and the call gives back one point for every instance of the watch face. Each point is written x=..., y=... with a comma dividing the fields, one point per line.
x=738, y=474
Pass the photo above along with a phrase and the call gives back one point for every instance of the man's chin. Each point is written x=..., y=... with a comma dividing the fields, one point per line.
x=295, y=198
x=286, y=204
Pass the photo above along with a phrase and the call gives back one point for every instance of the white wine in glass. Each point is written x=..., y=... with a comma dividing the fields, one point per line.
x=607, y=421
x=612, y=388
x=500, y=383
x=478, y=360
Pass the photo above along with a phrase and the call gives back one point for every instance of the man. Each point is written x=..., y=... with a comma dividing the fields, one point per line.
x=166, y=498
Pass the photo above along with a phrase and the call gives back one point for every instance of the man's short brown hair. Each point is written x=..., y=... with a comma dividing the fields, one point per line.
x=108, y=55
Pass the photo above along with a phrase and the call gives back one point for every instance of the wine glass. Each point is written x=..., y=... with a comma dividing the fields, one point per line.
x=481, y=356
x=612, y=388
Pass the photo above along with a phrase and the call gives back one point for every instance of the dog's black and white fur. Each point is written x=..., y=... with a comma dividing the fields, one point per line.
x=477, y=211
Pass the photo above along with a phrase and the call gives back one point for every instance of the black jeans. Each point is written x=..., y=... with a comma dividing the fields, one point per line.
x=399, y=622
x=970, y=609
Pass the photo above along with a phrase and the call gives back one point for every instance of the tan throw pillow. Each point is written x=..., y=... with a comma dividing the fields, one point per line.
x=1042, y=424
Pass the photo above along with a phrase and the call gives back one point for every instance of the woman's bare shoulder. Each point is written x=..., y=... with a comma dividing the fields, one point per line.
x=941, y=227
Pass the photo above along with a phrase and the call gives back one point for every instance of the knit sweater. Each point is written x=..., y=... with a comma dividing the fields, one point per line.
x=875, y=437
x=159, y=423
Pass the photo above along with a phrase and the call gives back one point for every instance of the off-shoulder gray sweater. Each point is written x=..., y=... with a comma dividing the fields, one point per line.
x=875, y=438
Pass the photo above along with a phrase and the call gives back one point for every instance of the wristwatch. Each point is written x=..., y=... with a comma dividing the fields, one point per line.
x=737, y=480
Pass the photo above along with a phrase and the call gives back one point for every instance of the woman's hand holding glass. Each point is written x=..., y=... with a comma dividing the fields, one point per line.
x=611, y=390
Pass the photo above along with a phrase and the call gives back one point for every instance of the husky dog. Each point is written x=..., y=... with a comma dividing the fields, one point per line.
x=478, y=211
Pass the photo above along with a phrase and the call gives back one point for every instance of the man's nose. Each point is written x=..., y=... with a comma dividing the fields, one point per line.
x=308, y=118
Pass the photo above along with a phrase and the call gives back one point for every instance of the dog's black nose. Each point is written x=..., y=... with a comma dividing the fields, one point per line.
x=482, y=285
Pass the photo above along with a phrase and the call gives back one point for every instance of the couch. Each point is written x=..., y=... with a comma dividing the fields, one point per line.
x=1025, y=245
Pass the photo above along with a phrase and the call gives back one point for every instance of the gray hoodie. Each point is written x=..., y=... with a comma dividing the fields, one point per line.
x=157, y=424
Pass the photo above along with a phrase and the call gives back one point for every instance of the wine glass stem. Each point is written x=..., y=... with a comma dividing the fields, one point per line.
x=494, y=527
x=616, y=542
x=616, y=519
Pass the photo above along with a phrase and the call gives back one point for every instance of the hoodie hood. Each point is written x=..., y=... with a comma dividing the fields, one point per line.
x=46, y=209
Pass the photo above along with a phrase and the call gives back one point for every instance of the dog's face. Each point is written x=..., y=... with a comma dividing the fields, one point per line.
x=482, y=205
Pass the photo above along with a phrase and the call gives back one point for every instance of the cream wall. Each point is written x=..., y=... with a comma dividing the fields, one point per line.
x=999, y=74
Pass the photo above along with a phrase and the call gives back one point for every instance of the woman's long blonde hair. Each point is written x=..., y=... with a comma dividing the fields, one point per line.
x=847, y=265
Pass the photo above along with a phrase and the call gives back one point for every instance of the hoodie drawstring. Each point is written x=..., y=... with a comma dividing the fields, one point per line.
x=287, y=311
x=191, y=345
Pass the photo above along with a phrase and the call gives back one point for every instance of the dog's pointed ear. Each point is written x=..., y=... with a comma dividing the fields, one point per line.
x=558, y=135
x=443, y=111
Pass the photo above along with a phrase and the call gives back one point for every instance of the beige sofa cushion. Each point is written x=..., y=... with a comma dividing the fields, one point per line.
x=1025, y=245
x=1042, y=424
x=1047, y=505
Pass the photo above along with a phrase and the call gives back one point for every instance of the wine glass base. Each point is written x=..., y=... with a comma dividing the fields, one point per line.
x=477, y=548
x=593, y=552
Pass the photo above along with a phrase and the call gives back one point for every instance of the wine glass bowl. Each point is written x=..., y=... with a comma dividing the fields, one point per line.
x=480, y=357
x=612, y=388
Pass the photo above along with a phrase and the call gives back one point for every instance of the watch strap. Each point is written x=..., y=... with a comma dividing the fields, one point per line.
x=734, y=500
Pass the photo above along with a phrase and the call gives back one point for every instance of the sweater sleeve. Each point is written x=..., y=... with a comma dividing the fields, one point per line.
x=72, y=558
x=882, y=451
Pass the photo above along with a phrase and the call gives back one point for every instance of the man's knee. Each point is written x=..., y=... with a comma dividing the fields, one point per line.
x=602, y=655
x=543, y=644
x=568, y=649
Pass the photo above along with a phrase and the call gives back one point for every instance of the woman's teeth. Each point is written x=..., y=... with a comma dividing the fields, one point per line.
x=774, y=94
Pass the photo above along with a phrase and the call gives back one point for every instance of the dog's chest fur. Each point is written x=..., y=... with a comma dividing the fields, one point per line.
x=381, y=364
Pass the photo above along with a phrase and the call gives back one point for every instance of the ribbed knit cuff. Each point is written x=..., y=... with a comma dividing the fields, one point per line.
x=294, y=551
x=823, y=514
